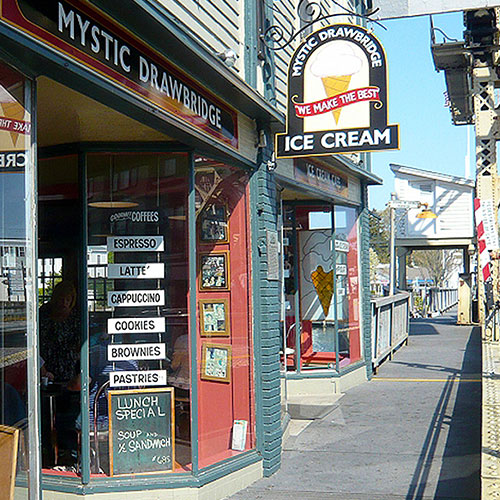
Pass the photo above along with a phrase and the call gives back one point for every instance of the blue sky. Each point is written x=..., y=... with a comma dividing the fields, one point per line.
x=428, y=139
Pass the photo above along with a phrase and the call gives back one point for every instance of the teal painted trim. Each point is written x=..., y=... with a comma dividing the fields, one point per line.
x=192, y=315
x=256, y=302
x=284, y=422
x=112, y=147
x=269, y=318
x=335, y=296
x=296, y=298
x=251, y=41
x=325, y=373
x=364, y=237
x=32, y=338
x=62, y=484
x=153, y=482
x=15, y=62
x=83, y=304
x=228, y=466
x=355, y=366
x=322, y=198
x=269, y=66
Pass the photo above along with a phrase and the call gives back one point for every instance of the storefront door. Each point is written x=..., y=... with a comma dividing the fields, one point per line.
x=19, y=459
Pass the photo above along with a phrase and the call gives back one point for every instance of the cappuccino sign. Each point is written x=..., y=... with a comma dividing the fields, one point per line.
x=337, y=95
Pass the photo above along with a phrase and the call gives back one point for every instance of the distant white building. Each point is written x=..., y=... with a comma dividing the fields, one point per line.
x=450, y=197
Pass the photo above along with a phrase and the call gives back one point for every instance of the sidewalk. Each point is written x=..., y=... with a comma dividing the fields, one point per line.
x=412, y=433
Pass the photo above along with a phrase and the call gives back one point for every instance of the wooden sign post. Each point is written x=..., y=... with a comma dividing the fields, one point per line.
x=9, y=439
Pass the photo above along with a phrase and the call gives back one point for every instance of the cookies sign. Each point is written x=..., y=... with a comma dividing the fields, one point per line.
x=337, y=95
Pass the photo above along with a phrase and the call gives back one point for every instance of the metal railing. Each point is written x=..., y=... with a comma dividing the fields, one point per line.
x=390, y=325
x=491, y=326
x=439, y=300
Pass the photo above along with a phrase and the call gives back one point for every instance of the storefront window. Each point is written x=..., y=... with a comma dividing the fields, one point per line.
x=224, y=356
x=138, y=287
x=321, y=289
x=15, y=249
x=60, y=331
x=347, y=287
x=116, y=296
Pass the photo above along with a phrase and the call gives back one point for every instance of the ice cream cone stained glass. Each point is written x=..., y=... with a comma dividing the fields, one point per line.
x=323, y=284
x=335, y=64
x=10, y=110
x=14, y=111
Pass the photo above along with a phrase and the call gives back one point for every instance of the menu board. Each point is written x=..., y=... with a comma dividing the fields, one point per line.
x=127, y=297
x=141, y=430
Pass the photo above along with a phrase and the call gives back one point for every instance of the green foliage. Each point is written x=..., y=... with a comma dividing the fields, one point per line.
x=374, y=262
x=44, y=295
x=380, y=232
x=437, y=262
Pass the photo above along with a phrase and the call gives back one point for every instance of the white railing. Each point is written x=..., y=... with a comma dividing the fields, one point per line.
x=439, y=300
x=390, y=325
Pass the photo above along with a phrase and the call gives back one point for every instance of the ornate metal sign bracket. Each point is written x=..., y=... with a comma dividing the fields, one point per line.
x=309, y=12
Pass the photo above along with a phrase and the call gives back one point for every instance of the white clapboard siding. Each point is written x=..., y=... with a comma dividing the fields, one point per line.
x=354, y=189
x=247, y=137
x=448, y=196
x=216, y=23
x=284, y=15
x=453, y=207
x=288, y=19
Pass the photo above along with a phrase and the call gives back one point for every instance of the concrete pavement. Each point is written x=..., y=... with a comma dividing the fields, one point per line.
x=412, y=433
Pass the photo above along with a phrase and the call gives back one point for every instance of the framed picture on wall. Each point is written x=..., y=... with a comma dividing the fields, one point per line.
x=214, y=271
x=214, y=318
x=214, y=224
x=216, y=362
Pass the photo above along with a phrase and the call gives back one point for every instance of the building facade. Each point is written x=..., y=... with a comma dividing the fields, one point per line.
x=166, y=284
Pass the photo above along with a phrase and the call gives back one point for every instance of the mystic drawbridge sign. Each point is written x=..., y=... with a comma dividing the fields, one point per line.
x=337, y=95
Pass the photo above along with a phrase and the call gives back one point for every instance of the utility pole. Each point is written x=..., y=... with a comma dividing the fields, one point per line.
x=481, y=37
x=392, y=264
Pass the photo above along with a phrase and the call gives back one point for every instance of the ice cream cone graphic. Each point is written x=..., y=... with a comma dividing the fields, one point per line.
x=335, y=64
x=335, y=85
x=323, y=283
x=14, y=111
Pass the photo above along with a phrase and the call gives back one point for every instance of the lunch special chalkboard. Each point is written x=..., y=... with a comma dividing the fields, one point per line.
x=141, y=431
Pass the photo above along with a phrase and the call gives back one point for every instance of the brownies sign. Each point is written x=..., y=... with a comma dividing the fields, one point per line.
x=337, y=95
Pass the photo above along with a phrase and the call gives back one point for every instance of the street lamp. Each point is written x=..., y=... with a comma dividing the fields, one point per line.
x=393, y=204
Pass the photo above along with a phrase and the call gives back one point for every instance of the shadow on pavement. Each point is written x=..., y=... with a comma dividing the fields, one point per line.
x=460, y=466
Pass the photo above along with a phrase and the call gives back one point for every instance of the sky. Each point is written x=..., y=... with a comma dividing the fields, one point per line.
x=428, y=139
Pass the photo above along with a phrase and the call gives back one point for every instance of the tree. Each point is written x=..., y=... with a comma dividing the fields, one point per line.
x=374, y=262
x=438, y=263
x=380, y=234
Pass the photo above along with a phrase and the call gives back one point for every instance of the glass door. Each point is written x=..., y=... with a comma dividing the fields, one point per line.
x=18, y=361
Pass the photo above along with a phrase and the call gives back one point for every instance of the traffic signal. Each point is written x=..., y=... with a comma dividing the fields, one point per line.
x=480, y=27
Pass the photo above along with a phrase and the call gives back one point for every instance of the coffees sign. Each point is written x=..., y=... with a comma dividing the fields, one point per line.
x=337, y=95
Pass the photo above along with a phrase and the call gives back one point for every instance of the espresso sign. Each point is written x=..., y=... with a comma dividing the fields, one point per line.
x=85, y=35
x=337, y=95
x=135, y=243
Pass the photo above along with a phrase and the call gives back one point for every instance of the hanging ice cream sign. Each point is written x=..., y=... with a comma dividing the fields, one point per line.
x=337, y=95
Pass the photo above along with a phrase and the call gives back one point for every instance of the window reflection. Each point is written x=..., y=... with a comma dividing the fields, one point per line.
x=137, y=272
x=321, y=259
x=15, y=129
